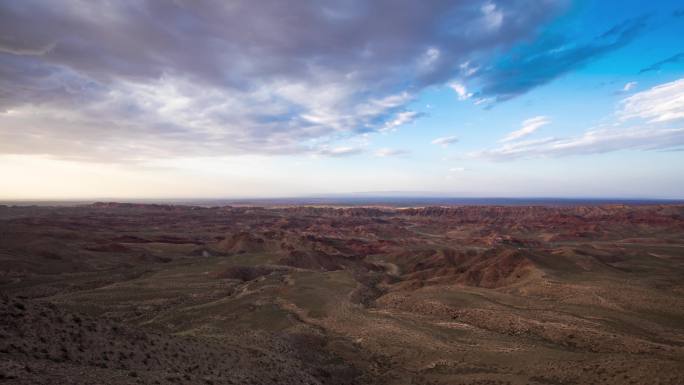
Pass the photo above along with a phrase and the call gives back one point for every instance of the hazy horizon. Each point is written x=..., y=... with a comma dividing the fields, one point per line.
x=357, y=200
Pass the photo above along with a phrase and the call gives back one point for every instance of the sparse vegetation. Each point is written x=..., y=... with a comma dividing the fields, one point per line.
x=125, y=293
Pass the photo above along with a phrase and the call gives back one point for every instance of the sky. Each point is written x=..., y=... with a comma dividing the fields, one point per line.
x=230, y=99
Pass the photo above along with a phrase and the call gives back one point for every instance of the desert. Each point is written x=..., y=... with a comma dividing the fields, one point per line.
x=119, y=293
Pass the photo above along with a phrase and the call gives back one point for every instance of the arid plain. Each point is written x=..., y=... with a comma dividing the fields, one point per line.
x=114, y=293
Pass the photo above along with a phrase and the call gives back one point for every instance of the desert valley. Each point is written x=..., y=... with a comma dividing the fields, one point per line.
x=120, y=293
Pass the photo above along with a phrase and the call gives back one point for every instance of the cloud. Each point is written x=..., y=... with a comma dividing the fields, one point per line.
x=339, y=151
x=445, y=141
x=532, y=65
x=126, y=80
x=457, y=169
x=528, y=127
x=386, y=152
x=648, y=120
x=492, y=15
x=467, y=69
x=591, y=142
x=661, y=103
x=23, y=50
x=629, y=86
x=670, y=60
x=461, y=90
x=401, y=118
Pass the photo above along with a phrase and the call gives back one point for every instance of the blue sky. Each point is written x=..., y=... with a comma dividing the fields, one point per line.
x=507, y=98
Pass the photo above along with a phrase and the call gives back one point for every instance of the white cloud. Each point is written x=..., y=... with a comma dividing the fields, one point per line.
x=629, y=86
x=461, y=90
x=400, y=119
x=591, y=142
x=479, y=101
x=467, y=69
x=648, y=120
x=528, y=127
x=445, y=141
x=457, y=169
x=659, y=104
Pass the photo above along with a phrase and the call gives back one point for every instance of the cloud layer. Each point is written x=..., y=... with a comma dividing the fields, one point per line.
x=537, y=63
x=100, y=80
x=649, y=120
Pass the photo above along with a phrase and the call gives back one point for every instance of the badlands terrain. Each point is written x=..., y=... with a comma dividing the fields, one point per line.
x=115, y=293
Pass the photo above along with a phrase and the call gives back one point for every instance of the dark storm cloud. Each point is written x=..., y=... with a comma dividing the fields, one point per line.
x=530, y=66
x=129, y=79
x=670, y=60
